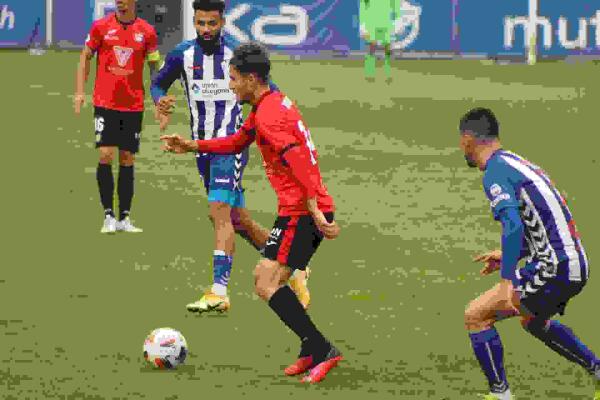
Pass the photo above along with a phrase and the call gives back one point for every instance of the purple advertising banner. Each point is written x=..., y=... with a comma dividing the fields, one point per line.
x=72, y=21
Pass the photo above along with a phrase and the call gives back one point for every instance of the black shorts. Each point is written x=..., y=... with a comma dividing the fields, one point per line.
x=294, y=240
x=120, y=129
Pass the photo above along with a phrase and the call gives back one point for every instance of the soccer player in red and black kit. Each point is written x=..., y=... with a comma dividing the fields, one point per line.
x=122, y=42
x=305, y=212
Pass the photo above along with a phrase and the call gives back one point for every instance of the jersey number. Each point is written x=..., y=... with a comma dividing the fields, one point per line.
x=309, y=142
x=99, y=124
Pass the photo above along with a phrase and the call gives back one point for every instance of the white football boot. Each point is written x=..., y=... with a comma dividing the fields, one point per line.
x=125, y=225
x=110, y=224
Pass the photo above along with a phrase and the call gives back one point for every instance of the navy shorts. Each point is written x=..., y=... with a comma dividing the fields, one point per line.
x=222, y=176
x=544, y=290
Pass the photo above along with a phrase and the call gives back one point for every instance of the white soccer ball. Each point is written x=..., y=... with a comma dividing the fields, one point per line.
x=165, y=348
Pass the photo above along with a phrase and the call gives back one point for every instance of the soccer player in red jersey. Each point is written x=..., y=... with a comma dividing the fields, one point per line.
x=305, y=208
x=122, y=42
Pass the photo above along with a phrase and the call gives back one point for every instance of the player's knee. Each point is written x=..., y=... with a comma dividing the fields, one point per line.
x=220, y=215
x=220, y=211
x=265, y=277
x=126, y=158
x=473, y=319
x=106, y=155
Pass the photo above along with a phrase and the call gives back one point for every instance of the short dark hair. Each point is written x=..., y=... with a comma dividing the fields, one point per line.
x=252, y=58
x=481, y=123
x=209, y=5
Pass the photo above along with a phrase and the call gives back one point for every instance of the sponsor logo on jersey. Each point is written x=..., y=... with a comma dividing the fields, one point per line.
x=123, y=54
x=499, y=198
x=110, y=35
x=219, y=180
x=211, y=90
x=495, y=189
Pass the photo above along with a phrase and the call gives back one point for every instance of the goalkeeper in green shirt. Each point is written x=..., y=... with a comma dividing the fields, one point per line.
x=376, y=28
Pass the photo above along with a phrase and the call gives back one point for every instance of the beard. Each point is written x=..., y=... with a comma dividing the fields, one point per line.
x=209, y=46
x=470, y=162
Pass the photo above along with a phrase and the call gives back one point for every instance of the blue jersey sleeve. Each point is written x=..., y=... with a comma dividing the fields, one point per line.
x=169, y=73
x=500, y=190
x=513, y=235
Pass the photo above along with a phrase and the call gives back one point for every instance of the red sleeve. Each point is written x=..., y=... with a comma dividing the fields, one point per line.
x=302, y=168
x=232, y=144
x=94, y=38
x=152, y=40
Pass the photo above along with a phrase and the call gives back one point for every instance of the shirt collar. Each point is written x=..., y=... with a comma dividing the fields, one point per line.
x=494, y=154
x=264, y=95
x=125, y=23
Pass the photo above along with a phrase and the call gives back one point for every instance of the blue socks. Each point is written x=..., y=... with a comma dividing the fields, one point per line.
x=221, y=272
x=490, y=354
x=562, y=340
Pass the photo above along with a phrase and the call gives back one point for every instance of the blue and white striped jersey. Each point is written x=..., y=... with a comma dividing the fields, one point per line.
x=214, y=110
x=512, y=181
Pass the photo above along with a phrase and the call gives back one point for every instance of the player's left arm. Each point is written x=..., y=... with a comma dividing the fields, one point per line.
x=302, y=164
x=513, y=233
x=152, y=53
x=299, y=160
x=500, y=190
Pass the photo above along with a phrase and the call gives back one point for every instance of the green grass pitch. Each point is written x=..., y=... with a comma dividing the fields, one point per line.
x=75, y=305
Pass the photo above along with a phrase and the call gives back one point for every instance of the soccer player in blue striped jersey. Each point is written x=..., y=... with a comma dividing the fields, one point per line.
x=202, y=66
x=537, y=226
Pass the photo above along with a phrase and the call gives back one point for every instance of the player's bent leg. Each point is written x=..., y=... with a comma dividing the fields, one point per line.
x=322, y=356
x=480, y=316
x=248, y=229
x=106, y=187
x=562, y=340
x=216, y=298
x=484, y=311
x=257, y=235
x=269, y=275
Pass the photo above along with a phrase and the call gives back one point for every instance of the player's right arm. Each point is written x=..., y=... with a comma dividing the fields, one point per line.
x=92, y=43
x=233, y=144
x=505, y=207
x=169, y=73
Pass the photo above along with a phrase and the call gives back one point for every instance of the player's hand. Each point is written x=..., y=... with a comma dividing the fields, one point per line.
x=177, y=144
x=162, y=119
x=78, y=102
x=330, y=230
x=166, y=104
x=508, y=296
x=492, y=261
